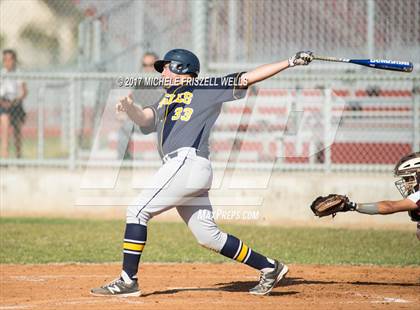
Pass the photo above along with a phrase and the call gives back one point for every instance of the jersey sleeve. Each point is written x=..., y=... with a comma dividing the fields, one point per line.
x=152, y=127
x=415, y=197
x=224, y=89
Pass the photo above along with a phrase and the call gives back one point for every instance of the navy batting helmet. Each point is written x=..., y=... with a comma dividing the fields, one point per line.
x=180, y=62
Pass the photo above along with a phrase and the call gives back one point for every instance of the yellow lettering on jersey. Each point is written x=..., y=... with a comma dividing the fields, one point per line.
x=187, y=114
x=187, y=97
x=184, y=97
x=184, y=114
x=177, y=114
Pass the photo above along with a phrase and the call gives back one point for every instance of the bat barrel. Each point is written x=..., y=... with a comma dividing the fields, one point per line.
x=384, y=64
x=403, y=66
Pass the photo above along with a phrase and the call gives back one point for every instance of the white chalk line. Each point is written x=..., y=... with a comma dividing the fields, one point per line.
x=391, y=299
x=42, y=278
x=75, y=301
x=382, y=299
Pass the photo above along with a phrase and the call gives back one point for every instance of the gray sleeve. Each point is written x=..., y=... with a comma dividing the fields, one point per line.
x=239, y=93
x=233, y=92
x=221, y=92
x=152, y=127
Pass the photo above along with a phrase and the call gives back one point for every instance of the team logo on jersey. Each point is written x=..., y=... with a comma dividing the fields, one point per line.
x=184, y=97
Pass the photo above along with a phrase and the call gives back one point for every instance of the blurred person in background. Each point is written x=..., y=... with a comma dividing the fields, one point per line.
x=126, y=130
x=148, y=61
x=12, y=94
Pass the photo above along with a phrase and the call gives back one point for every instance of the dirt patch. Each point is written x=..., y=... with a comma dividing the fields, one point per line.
x=210, y=286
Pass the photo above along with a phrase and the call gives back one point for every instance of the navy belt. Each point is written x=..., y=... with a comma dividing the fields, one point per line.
x=181, y=151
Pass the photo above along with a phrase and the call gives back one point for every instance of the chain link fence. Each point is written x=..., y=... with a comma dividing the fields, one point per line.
x=341, y=122
x=243, y=32
x=107, y=35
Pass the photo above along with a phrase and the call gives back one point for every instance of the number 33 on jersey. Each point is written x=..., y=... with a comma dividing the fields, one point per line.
x=184, y=114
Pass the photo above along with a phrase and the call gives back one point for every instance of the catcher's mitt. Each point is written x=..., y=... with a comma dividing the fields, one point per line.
x=331, y=204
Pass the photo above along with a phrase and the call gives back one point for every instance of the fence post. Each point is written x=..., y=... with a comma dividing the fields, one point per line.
x=81, y=56
x=96, y=25
x=41, y=122
x=199, y=31
x=370, y=28
x=416, y=117
x=327, y=129
x=72, y=125
x=233, y=20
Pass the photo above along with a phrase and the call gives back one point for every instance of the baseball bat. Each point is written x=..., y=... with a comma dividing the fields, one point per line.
x=403, y=66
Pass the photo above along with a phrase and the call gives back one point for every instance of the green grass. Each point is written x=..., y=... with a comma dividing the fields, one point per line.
x=34, y=240
x=52, y=148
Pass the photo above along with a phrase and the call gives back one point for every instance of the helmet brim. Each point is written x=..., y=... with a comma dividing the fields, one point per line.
x=159, y=64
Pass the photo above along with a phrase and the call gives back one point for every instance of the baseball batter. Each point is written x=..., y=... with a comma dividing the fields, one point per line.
x=183, y=120
x=408, y=172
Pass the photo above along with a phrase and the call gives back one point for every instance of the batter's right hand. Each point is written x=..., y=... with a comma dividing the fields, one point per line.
x=124, y=104
x=301, y=58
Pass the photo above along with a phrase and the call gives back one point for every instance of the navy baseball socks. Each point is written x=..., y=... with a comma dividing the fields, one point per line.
x=126, y=285
x=135, y=236
x=271, y=271
x=134, y=241
x=237, y=250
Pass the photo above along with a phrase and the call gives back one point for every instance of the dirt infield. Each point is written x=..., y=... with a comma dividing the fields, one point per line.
x=210, y=286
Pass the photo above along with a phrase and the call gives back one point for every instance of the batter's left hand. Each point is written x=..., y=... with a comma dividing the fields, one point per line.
x=125, y=103
x=301, y=58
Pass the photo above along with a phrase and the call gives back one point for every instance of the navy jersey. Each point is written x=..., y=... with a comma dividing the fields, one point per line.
x=185, y=115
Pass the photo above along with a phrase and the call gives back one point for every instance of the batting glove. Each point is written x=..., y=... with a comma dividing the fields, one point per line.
x=301, y=58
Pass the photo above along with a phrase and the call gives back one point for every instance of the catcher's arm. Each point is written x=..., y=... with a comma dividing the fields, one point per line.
x=386, y=207
x=334, y=203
